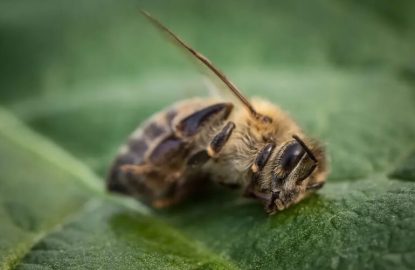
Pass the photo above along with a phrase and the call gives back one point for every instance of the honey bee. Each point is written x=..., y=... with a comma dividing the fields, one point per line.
x=250, y=144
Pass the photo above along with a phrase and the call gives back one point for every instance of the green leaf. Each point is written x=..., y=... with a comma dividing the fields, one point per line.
x=56, y=215
x=78, y=77
x=32, y=201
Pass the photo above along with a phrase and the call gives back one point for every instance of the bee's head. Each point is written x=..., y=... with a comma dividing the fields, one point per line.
x=298, y=169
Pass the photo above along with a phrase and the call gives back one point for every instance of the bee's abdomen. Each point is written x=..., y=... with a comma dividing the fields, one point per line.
x=137, y=148
x=160, y=147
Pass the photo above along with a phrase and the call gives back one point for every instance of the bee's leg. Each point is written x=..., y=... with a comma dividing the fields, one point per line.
x=220, y=139
x=269, y=199
x=136, y=169
x=215, y=146
x=263, y=197
x=266, y=198
x=158, y=188
x=172, y=195
x=315, y=186
x=198, y=159
x=167, y=150
x=164, y=202
x=231, y=185
x=132, y=178
x=249, y=190
x=191, y=124
x=261, y=159
x=186, y=185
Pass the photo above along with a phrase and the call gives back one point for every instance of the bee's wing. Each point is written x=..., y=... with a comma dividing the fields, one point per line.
x=217, y=81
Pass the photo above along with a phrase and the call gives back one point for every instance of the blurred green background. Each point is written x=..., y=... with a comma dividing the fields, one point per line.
x=76, y=77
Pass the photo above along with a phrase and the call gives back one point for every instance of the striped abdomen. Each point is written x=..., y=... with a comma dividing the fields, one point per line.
x=154, y=164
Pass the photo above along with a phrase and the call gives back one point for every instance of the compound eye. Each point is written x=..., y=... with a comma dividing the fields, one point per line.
x=291, y=155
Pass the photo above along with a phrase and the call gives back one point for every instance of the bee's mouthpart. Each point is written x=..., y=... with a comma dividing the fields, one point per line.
x=275, y=203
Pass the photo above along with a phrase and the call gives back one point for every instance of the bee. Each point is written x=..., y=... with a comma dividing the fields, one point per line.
x=249, y=144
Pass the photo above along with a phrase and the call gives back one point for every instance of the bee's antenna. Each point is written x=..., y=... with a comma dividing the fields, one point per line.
x=232, y=87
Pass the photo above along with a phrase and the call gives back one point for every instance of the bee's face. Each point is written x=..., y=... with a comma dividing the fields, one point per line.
x=298, y=169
